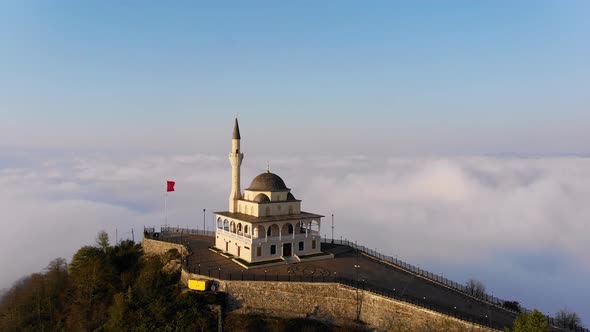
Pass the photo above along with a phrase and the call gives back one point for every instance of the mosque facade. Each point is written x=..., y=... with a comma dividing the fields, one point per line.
x=265, y=222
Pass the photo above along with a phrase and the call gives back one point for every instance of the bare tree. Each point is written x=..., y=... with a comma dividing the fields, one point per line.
x=567, y=318
x=102, y=240
x=476, y=288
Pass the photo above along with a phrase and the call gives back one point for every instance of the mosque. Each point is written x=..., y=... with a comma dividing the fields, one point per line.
x=265, y=223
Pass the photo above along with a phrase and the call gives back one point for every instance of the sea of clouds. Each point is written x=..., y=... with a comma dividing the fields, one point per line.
x=520, y=225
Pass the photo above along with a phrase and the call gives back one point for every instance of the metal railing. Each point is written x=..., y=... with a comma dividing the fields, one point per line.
x=417, y=271
x=181, y=230
x=444, y=281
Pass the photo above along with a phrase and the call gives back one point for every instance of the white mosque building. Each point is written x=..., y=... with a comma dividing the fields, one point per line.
x=265, y=222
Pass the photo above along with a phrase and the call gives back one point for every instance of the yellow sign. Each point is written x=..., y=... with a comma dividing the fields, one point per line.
x=198, y=284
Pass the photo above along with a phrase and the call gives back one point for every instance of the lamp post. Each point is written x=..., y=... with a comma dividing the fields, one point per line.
x=358, y=305
x=181, y=251
x=332, y=228
x=203, y=221
x=489, y=316
x=264, y=275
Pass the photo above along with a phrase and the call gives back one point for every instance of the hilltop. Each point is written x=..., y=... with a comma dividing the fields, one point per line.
x=118, y=288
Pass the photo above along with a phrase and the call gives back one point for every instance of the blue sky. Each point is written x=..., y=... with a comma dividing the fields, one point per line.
x=510, y=75
x=102, y=100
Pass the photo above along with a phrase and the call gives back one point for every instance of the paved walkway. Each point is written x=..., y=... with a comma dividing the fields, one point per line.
x=371, y=271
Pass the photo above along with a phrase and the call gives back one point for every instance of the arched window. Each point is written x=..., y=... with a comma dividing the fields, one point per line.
x=314, y=226
x=273, y=230
x=246, y=229
x=258, y=232
x=287, y=229
x=301, y=227
x=268, y=232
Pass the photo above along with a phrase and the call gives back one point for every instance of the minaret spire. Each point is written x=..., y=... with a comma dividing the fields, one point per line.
x=235, y=158
x=236, y=134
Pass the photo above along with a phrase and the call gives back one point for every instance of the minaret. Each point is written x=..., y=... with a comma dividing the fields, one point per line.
x=235, y=158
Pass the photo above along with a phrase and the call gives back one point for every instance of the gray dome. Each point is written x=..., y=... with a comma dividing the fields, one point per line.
x=290, y=197
x=261, y=198
x=268, y=182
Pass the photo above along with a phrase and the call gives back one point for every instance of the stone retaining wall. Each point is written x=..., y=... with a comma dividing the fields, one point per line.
x=333, y=303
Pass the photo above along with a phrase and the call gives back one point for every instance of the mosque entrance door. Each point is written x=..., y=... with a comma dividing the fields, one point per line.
x=226, y=246
x=287, y=249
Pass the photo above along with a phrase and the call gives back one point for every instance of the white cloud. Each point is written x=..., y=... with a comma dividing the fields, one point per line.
x=459, y=211
x=464, y=206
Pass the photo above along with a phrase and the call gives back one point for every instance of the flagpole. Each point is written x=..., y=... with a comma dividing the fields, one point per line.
x=166, y=208
x=169, y=187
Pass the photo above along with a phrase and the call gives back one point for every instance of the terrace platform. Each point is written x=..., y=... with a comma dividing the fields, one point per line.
x=371, y=272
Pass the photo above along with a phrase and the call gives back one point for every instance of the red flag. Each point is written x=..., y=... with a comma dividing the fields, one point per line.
x=170, y=186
